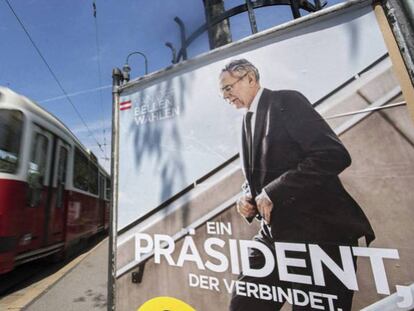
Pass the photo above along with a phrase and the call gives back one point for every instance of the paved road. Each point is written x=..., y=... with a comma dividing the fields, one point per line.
x=82, y=289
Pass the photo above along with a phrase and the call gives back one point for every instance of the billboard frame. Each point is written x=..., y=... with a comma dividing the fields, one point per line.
x=395, y=44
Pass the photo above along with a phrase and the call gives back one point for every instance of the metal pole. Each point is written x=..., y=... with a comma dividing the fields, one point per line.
x=318, y=4
x=252, y=17
x=183, y=50
x=143, y=55
x=294, y=5
x=113, y=213
x=173, y=51
x=207, y=12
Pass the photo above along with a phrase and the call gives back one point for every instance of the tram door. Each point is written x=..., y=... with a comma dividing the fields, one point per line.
x=38, y=180
x=57, y=208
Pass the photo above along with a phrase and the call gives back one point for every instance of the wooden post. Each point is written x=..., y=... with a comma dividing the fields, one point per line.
x=399, y=67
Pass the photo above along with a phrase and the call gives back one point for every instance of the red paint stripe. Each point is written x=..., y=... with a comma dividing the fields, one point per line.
x=125, y=107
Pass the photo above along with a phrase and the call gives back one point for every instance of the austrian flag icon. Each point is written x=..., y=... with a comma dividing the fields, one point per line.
x=125, y=105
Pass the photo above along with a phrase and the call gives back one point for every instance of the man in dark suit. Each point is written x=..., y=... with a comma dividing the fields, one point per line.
x=291, y=159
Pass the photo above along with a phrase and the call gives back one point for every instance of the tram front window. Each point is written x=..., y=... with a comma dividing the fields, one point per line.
x=11, y=124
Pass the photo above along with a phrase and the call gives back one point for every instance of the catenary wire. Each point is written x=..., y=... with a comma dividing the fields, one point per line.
x=98, y=52
x=53, y=74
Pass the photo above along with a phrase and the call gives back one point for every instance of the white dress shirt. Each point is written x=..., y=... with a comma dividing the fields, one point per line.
x=253, y=108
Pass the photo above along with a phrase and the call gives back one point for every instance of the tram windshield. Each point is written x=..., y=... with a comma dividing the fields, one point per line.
x=11, y=127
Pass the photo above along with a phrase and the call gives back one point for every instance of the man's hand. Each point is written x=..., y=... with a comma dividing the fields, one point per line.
x=264, y=206
x=245, y=206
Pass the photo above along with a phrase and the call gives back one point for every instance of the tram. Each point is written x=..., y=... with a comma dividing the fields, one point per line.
x=53, y=192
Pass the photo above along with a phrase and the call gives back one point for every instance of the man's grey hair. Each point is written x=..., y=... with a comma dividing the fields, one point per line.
x=241, y=66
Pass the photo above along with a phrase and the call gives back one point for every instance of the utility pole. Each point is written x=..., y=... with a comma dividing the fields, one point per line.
x=218, y=34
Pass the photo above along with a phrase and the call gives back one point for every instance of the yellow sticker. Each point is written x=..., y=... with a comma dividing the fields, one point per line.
x=165, y=304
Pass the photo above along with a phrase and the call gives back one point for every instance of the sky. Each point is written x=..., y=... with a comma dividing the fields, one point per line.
x=82, y=50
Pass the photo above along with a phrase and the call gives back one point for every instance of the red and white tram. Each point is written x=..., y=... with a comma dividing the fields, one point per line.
x=53, y=193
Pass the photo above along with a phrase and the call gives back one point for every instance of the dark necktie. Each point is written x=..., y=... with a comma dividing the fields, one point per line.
x=249, y=136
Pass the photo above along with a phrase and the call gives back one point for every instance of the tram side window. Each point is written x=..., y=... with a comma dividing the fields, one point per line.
x=37, y=169
x=61, y=176
x=11, y=124
x=108, y=189
x=93, y=181
x=81, y=171
x=101, y=186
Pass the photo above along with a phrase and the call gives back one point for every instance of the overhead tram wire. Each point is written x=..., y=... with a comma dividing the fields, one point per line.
x=53, y=74
x=51, y=99
x=98, y=52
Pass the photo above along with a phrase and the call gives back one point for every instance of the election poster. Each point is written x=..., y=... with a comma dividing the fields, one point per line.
x=274, y=173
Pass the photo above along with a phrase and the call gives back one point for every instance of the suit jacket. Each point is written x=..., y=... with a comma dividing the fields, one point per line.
x=296, y=159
